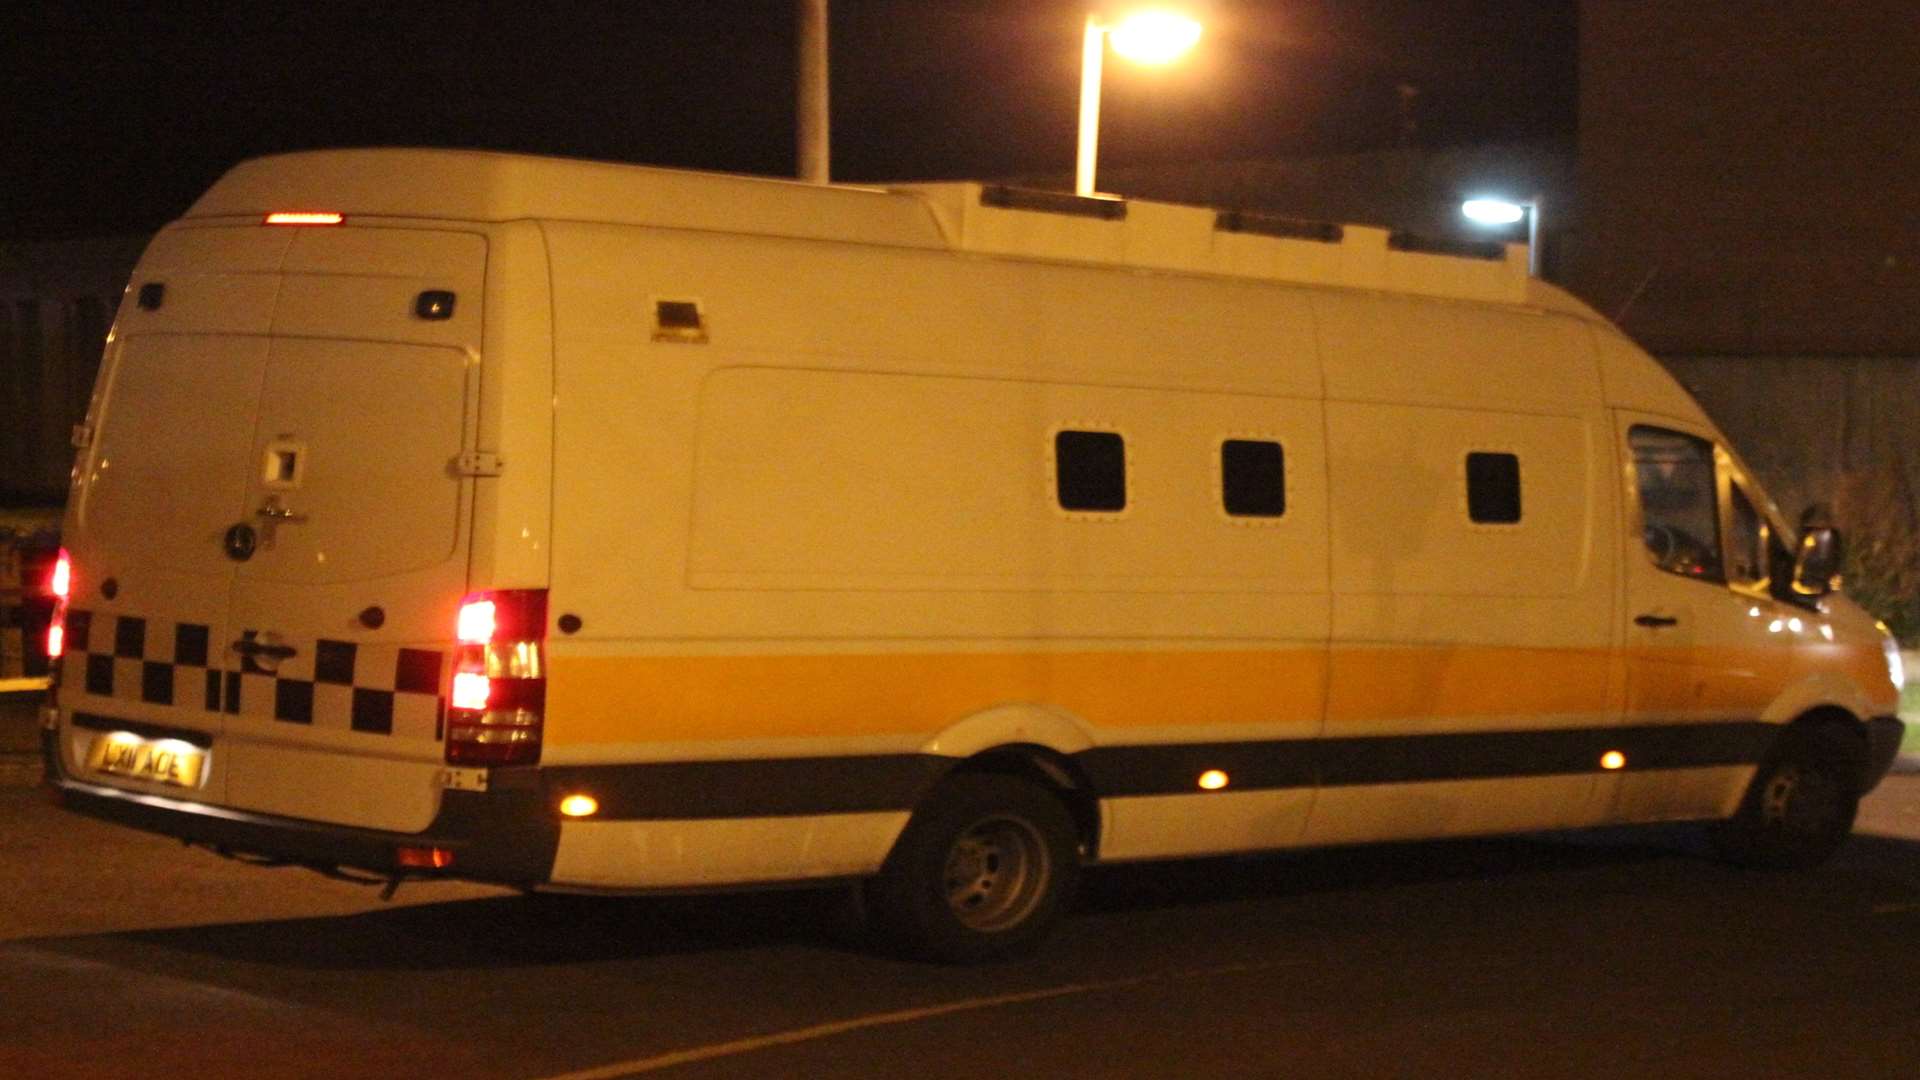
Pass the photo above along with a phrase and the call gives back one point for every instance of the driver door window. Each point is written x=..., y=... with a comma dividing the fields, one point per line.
x=1746, y=540
x=1679, y=512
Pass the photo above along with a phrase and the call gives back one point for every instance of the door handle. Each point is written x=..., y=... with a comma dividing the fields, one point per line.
x=249, y=647
x=1655, y=620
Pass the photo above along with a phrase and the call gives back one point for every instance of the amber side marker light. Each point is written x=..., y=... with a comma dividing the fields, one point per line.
x=579, y=806
x=424, y=858
x=1213, y=780
x=1613, y=759
x=305, y=217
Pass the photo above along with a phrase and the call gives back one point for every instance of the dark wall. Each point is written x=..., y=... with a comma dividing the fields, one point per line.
x=1749, y=174
x=57, y=301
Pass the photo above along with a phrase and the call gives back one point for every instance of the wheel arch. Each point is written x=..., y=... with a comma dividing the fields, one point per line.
x=1839, y=729
x=1034, y=742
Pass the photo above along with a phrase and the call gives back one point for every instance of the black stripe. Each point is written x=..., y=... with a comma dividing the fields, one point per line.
x=1400, y=759
x=333, y=662
x=99, y=675
x=417, y=671
x=190, y=645
x=372, y=711
x=156, y=683
x=844, y=785
x=293, y=701
x=769, y=788
x=146, y=731
x=130, y=638
x=1174, y=769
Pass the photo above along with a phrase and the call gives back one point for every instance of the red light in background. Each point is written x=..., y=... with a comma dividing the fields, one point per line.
x=60, y=584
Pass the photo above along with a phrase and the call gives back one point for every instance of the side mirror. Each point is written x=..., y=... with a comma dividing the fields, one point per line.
x=1818, y=561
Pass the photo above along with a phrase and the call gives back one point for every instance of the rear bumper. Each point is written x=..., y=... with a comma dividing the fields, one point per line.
x=1884, y=734
x=504, y=835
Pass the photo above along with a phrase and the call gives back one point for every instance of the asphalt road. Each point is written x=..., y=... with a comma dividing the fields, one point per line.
x=1619, y=953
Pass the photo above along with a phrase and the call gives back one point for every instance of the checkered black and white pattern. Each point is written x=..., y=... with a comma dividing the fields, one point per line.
x=343, y=685
x=134, y=659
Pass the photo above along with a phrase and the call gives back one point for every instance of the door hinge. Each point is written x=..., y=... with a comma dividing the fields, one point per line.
x=478, y=463
x=81, y=436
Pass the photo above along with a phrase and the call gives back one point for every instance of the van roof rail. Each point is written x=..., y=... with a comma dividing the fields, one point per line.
x=989, y=219
x=996, y=219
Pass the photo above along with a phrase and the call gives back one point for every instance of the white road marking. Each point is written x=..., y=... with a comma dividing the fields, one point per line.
x=885, y=1019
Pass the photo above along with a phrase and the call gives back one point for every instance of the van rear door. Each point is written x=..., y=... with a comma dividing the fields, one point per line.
x=159, y=481
x=340, y=623
x=270, y=542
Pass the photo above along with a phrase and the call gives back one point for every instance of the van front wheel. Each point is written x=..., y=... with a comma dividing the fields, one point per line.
x=1799, y=808
x=982, y=872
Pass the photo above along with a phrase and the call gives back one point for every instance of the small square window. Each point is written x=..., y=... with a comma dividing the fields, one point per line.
x=1493, y=488
x=1090, y=470
x=679, y=320
x=1253, y=478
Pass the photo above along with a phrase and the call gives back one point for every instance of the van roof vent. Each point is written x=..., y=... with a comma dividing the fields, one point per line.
x=1105, y=207
x=1243, y=221
x=1401, y=240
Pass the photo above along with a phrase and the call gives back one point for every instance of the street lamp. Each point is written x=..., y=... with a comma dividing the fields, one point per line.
x=1495, y=212
x=1145, y=37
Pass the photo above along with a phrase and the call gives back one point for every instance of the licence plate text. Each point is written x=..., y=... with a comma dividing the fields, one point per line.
x=162, y=761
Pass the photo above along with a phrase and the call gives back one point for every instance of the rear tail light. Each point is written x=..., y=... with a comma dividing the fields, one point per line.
x=499, y=679
x=60, y=585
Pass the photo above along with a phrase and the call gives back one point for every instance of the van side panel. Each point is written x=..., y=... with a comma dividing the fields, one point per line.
x=840, y=528
x=1446, y=627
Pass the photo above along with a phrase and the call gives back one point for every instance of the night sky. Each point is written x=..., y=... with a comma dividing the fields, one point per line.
x=116, y=119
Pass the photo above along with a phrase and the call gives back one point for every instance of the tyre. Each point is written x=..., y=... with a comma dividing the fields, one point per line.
x=1800, y=807
x=982, y=872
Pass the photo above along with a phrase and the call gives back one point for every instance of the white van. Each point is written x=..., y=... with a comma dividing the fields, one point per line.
x=593, y=527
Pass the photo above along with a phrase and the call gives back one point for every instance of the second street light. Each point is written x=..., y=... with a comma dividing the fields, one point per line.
x=1146, y=37
x=1497, y=212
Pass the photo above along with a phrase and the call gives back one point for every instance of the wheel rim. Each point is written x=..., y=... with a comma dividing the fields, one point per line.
x=996, y=873
x=1801, y=802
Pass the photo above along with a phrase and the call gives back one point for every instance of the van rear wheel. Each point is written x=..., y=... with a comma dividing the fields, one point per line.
x=983, y=871
x=1799, y=808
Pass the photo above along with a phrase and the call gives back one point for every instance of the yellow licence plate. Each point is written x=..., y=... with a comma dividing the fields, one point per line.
x=161, y=761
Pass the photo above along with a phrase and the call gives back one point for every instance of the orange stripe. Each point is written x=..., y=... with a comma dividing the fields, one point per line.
x=680, y=698
x=639, y=699
x=1391, y=683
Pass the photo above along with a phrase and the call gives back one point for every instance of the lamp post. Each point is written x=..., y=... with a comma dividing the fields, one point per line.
x=810, y=91
x=1145, y=37
x=1505, y=212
